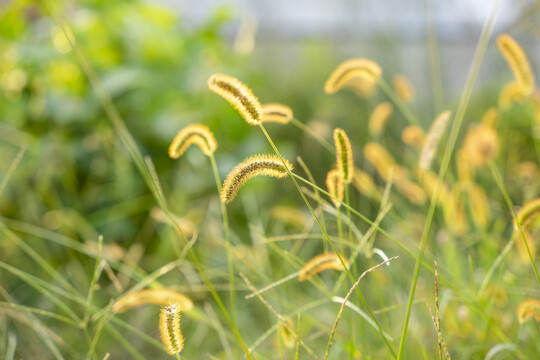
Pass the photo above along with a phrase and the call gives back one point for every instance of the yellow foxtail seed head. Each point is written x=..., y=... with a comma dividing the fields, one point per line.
x=352, y=69
x=277, y=113
x=238, y=95
x=379, y=118
x=196, y=134
x=403, y=88
x=365, y=184
x=429, y=181
x=528, y=212
x=289, y=215
x=362, y=86
x=320, y=263
x=169, y=326
x=267, y=165
x=479, y=206
x=454, y=215
x=380, y=158
x=516, y=58
x=411, y=191
x=432, y=139
x=152, y=296
x=286, y=335
x=536, y=104
x=481, y=145
x=335, y=186
x=344, y=155
x=413, y=135
x=510, y=93
x=465, y=170
x=528, y=309
x=490, y=118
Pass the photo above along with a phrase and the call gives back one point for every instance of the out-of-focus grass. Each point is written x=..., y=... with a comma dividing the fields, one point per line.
x=68, y=179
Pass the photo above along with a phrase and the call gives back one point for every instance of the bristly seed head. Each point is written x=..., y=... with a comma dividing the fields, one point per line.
x=277, y=113
x=268, y=165
x=197, y=134
x=238, y=95
x=518, y=62
x=344, y=155
x=334, y=183
x=352, y=69
x=169, y=326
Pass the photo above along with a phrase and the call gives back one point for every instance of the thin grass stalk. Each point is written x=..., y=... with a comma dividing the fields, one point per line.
x=500, y=184
x=434, y=60
x=327, y=238
x=458, y=119
x=313, y=134
x=354, y=286
x=230, y=263
x=14, y=164
x=97, y=271
x=387, y=89
x=129, y=142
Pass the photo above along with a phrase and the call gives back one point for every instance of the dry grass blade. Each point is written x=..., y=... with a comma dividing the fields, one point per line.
x=345, y=302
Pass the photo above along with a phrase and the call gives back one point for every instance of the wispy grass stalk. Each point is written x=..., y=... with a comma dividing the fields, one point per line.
x=456, y=126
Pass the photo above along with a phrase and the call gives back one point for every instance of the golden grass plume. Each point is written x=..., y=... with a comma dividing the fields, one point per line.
x=335, y=186
x=169, y=327
x=490, y=118
x=413, y=135
x=365, y=184
x=320, y=263
x=516, y=58
x=528, y=309
x=197, y=134
x=344, y=155
x=379, y=118
x=510, y=94
x=352, y=69
x=432, y=139
x=277, y=113
x=152, y=296
x=481, y=145
x=403, y=88
x=267, y=165
x=239, y=96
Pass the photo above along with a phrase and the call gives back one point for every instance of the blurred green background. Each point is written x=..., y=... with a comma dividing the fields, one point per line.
x=76, y=179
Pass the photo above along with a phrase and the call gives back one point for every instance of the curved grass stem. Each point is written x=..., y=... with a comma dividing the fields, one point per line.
x=458, y=120
x=328, y=239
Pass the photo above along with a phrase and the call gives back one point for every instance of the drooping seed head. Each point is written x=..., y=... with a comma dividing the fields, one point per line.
x=320, y=263
x=510, y=94
x=411, y=191
x=403, y=87
x=432, y=139
x=197, y=134
x=238, y=95
x=380, y=158
x=379, y=118
x=481, y=145
x=528, y=309
x=277, y=113
x=413, y=135
x=479, y=205
x=352, y=69
x=365, y=184
x=518, y=62
x=169, y=327
x=267, y=165
x=528, y=212
x=344, y=155
x=152, y=296
x=335, y=186
x=490, y=118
